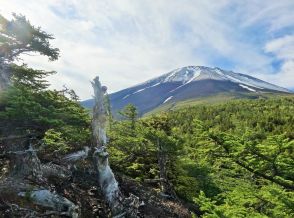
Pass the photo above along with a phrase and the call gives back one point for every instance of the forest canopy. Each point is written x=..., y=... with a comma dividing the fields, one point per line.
x=233, y=159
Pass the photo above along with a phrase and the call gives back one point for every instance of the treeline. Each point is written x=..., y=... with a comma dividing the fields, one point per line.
x=233, y=159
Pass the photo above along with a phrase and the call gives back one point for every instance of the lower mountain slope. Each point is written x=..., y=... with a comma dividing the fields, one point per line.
x=217, y=99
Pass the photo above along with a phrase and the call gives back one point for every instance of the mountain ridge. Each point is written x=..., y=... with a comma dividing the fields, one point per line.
x=190, y=82
x=215, y=73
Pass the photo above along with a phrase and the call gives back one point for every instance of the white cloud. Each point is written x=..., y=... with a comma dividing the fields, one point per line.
x=126, y=42
x=276, y=18
x=283, y=49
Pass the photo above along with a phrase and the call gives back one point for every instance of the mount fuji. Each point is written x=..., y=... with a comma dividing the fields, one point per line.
x=188, y=83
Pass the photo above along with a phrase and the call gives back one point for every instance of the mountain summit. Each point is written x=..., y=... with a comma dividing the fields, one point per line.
x=186, y=75
x=186, y=83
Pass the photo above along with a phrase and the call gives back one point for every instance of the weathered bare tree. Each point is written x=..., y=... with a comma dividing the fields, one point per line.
x=120, y=206
x=28, y=176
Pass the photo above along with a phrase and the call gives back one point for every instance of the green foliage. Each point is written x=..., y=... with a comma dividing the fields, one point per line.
x=25, y=77
x=28, y=106
x=134, y=148
x=132, y=152
x=19, y=36
x=233, y=159
x=130, y=114
x=55, y=142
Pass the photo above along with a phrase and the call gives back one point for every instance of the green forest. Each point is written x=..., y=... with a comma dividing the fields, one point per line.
x=230, y=159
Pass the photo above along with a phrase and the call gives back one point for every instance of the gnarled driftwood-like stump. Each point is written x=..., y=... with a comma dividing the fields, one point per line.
x=120, y=206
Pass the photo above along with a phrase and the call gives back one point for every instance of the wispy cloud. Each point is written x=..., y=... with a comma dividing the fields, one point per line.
x=126, y=42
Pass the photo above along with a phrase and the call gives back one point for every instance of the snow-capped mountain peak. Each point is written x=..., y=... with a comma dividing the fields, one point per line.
x=190, y=83
x=189, y=74
x=185, y=75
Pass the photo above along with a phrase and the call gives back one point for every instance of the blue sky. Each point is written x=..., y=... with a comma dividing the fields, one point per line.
x=126, y=42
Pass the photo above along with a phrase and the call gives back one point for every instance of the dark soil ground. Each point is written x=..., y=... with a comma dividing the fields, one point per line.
x=82, y=189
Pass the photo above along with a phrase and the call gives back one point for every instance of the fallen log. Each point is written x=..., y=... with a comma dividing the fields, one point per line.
x=45, y=198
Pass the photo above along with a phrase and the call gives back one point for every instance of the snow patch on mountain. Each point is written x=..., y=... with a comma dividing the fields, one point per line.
x=246, y=87
x=184, y=75
x=219, y=72
x=177, y=87
x=156, y=84
x=140, y=90
x=166, y=100
x=126, y=96
x=233, y=79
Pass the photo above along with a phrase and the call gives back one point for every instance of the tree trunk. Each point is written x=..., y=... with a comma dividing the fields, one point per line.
x=166, y=187
x=27, y=165
x=107, y=181
x=4, y=76
x=99, y=114
x=162, y=169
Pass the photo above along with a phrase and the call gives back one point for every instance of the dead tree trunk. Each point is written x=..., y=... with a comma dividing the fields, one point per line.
x=26, y=164
x=107, y=181
x=99, y=114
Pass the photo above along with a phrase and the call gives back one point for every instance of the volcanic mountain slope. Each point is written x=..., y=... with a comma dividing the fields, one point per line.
x=192, y=82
